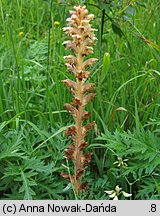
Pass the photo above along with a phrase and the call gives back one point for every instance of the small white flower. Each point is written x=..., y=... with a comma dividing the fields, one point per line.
x=112, y=195
x=115, y=198
x=121, y=162
x=109, y=192
x=126, y=194
x=118, y=189
x=116, y=192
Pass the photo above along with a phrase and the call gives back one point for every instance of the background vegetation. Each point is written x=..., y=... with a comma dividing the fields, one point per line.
x=126, y=139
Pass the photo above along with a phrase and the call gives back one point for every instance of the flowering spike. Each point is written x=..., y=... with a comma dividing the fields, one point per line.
x=82, y=39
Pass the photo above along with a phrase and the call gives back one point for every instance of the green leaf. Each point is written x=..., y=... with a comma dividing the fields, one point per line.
x=55, y=134
x=13, y=147
x=28, y=192
x=116, y=29
x=130, y=10
x=68, y=187
x=103, y=5
x=106, y=64
x=142, y=4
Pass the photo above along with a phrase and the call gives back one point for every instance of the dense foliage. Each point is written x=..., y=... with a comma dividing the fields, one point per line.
x=126, y=137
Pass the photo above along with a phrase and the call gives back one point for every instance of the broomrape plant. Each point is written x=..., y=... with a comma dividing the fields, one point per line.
x=82, y=40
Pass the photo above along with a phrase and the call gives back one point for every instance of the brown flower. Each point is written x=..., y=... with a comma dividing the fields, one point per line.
x=82, y=39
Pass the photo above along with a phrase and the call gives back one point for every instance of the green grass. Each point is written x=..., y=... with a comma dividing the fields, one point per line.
x=32, y=115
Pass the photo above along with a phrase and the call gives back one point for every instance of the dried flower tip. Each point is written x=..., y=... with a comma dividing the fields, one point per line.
x=69, y=153
x=88, y=87
x=71, y=21
x=81, y=11
x=71, y=109
x=64, y=175
x=86, y=158
x=71, y=131
x=87, y=51
x=72, y=12
x=87, y=98
x=82, y=75
x=76, y=101
x=89, y=126
x=84, y=186
x=70, y=83
x=83, y=23
x=76, y=38
x=70, y=59
x=86, y=128
x=89, y=62
x=83, y=145
x=71, y=68
x=71, y=146
x=79, y=173
x=70, y=30
x=90, y=17
x=70, y=45
x=85, y=115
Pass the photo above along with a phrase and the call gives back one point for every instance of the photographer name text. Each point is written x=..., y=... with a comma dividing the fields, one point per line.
x=23, y=208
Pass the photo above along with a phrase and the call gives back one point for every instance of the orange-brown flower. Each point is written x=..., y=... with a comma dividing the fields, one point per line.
x=82, y=39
